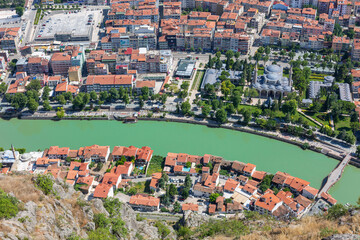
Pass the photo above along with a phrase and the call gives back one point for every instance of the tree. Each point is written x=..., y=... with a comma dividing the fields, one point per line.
x=8, y=205
x=261, y=50
x=218, y=64
x=291, y=55
x=46, y=92
x=101, y=233
x=221, y=116
x=32, y=105
x=337, y=211
x=60, y=113
x=290, y=107
x=218, y=54
x=34, y=85
x=237, y=55
x=19, y=101
x=267, y=50
x=188, y=182
x=177, y=207
x=227, y=87
x=46, y=105
x=213, y=197
x=44, y=183
x=337, y=30
x=185, y=107
x=113, y=94
x=126, y=99
x=185, y=192
x=205, y=110
x=229, y=54
x=93, y=96
x=215, y=104
x=61, y=99
x=257, y=56
x=19, y=11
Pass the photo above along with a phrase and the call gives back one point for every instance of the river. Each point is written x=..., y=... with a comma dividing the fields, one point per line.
x=268, y=154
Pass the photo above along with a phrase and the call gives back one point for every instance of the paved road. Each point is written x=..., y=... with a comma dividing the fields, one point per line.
x=335, y=175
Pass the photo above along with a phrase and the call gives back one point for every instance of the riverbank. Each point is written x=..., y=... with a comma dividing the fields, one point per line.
x=163, y=137
x=317, y=145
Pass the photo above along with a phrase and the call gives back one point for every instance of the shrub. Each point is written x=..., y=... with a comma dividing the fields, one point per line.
x=162, y=229
x=101, y=221
x=44, y=183
x=9, y=205
x=337, y=211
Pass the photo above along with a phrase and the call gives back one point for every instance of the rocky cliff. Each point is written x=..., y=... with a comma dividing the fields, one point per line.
x=62, y=215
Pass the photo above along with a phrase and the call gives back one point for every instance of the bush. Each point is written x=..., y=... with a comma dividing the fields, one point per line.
x=9, y=205
x=337, y=211
x=101, y=221
x=164, y=209
x=162, y=229
x=44, y=183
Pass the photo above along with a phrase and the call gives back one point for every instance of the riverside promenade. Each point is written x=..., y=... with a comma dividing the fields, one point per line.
x=335, y=175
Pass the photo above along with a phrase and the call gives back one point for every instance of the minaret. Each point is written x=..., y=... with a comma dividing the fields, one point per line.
x=290, y=77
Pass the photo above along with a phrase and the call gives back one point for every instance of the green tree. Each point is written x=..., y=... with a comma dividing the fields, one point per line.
x=213, y=197
x=101, y=233
x=337, y=211
x=46, y=105
x=229, y=54
x=177, y=207
x=93, y=96
x=337, y=30
x=185, y=107
x=290, y=107
x=34, y=85
x=32, y=105
x=8, y=205
x=221, y=116
x=126, y=99
x=19, y=11
x=60, y=113
x=19, y=101
x=205, y=110
x=172, y=190
x=46, y=92
x=113, y=94
x=61, y=99
x=44, y=183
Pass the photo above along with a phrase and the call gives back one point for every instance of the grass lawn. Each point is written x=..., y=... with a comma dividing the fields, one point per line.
x=198, y=79
x=318, y=116
x=343, y=124
x=156, y=165
x=37, y=17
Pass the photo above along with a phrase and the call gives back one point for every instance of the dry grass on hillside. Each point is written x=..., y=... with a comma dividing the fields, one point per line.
x=309, y=228
x=21, y=186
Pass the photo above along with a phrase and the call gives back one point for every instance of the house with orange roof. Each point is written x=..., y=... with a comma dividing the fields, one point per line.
x=340, y=43
x=328, y=198
x=249, y=189
x=154, y=183
x=71, y=177
x=124, y=170
x=207, y=185
x=94, y=153
x=303, y=201
x=85, y=183
x=103, y=191
x=190, y=207
x=280, y=178
x=249, y=169
x=294, y=207
x=112, y=179
x=267, y=203
x=309, y=192
x=45, y=162
x=355, y=50
x=65, y=87
x=144, y=202
x=55, y=152
x=142, y=156
x=230, y=186
x=258, y=175
x=297, y=185
x=5, y=170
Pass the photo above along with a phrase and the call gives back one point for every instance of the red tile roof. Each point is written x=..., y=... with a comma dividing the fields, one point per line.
x=144, y=200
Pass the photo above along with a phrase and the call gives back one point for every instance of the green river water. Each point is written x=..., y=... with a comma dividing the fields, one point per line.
x=268, y=155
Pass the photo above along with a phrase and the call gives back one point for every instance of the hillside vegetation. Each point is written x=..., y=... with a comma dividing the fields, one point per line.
x=39, y=207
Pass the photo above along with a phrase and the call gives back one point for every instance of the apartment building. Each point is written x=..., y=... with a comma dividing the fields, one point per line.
x=99, y=83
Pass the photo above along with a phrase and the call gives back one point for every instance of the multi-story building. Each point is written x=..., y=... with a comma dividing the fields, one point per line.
x=37, y=65
x=99, y=83
x=340, y=44
x=270, y=37
x=355, y=50
x=9, y=38
x=60, y=63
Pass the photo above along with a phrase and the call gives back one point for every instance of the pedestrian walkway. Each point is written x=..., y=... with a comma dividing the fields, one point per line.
x=335, y=175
